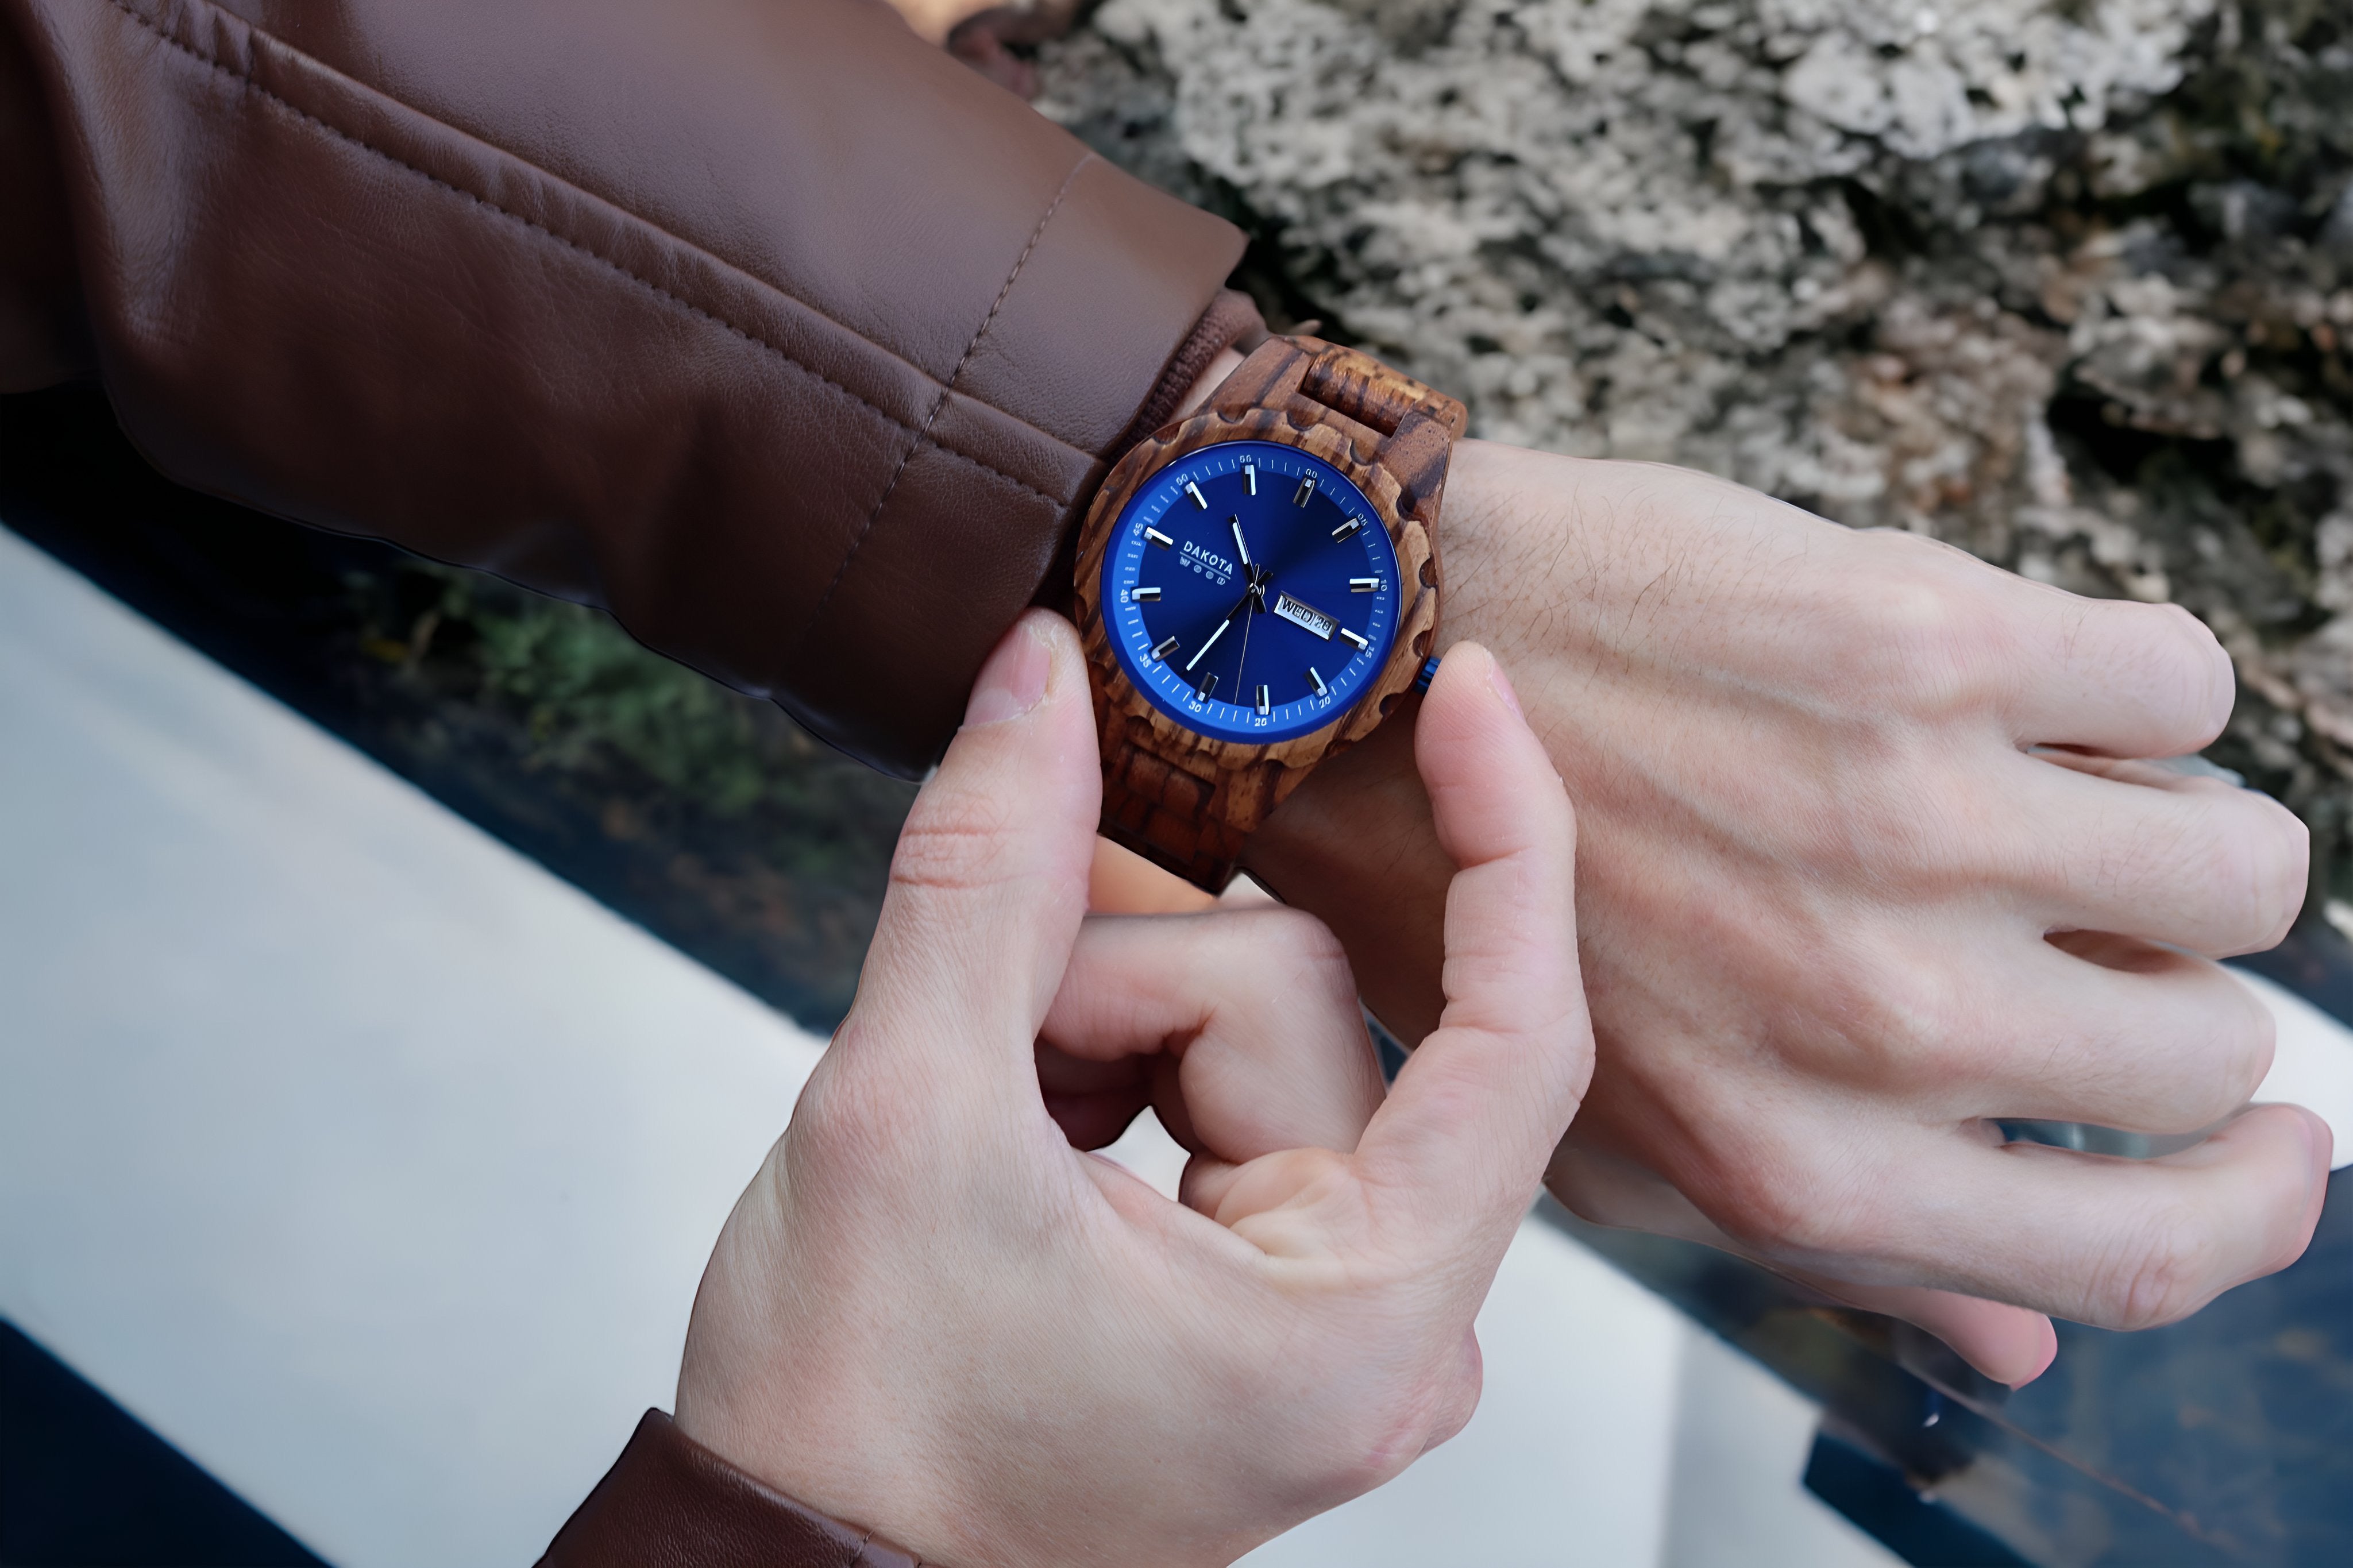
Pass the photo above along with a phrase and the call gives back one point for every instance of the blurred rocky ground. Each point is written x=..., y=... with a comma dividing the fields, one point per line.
x=2068, y=283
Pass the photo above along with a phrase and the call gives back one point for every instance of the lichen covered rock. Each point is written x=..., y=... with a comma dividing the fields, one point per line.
x=2066, y=282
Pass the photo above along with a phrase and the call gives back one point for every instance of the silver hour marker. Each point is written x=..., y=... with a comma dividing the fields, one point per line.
x=1318, y=682
x=1305, y=492
x=1145, y=595
x=1249, y=477
x=1195, y=491
x=1208, y=684
x=1263, y=708
x=1154, y=536
x=1347, y=530
x=1353, y=637
x=1364, y=585
x=1167, y=645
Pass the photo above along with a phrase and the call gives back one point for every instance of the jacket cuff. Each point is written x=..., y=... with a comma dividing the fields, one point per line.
x=669, y=1500
x=1231, y=321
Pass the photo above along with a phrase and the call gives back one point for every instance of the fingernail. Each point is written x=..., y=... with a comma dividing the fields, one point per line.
x=1503, y=685
x=1014, y=679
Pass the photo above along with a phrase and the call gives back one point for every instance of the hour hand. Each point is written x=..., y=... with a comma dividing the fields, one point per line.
x=1253, y=595
x=1243, y=545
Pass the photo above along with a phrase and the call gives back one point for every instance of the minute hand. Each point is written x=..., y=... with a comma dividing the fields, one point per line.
x=1214, y=636
x=1249, y=594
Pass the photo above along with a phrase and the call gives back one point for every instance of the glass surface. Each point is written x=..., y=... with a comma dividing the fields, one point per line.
x=1250, y=591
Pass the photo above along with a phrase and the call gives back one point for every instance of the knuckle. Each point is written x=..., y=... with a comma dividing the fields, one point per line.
x=1798, y=1204
x=2287, y=877
x=2255, y=869
x=1368, y=1456
x=2293, y=1227
x=1430, y=1410
x=847, y=1132
x=1913, y=820
x=1292, y=934
x=1905, y=1021
x=1317, y=955
x=1452, y=1404
x=1922, y=644
x=2251, y=1040
x=1294, y=948
x=2200, y=669
x=1768, y=1215
x=2158, y=1275
x=1930, y=1038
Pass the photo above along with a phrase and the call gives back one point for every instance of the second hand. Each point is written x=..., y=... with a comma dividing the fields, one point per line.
x=1252, y=602
x=1242, y=665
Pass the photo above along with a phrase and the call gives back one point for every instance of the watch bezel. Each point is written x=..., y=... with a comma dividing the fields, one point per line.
x=1124, y=714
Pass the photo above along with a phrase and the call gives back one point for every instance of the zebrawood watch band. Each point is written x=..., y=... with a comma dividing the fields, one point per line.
x=1189, y=816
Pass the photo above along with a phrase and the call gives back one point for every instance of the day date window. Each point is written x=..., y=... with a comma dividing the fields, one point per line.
x=1306, y=618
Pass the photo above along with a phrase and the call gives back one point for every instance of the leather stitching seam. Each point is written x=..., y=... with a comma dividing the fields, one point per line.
x=782, y=355
x=923, y=435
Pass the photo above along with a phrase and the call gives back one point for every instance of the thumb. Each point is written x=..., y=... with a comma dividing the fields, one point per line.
x=989, y=881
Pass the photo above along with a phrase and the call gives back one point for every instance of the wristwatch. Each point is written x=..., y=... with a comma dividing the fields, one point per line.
x=1258, y=587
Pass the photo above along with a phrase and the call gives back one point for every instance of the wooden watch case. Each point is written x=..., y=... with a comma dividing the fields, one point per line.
x=1251, y=780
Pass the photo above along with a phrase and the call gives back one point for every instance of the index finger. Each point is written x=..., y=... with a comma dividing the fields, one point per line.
x=1466, y=1131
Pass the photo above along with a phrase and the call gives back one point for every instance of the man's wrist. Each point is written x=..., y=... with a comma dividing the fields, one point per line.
x=1354, y=844
x=670, y=1498
x=1228, y=361
x=836, y=1463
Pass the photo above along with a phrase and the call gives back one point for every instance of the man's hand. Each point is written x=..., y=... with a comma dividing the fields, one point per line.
x=1858, y=874
x=933, y=1316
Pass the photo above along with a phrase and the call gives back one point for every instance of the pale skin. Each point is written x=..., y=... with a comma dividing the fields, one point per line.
x=1862, y=868
x=1868, y=866
x=931, y=1315
x=1862, y=872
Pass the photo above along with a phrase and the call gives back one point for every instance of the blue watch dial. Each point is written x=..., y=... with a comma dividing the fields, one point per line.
x=1252, y=592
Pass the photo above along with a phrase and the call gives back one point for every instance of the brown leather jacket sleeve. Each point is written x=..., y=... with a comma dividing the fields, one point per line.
x=668, y=1502
x=785, y=337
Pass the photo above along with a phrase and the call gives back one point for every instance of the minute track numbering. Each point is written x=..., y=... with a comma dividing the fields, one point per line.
x=1252, y=592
